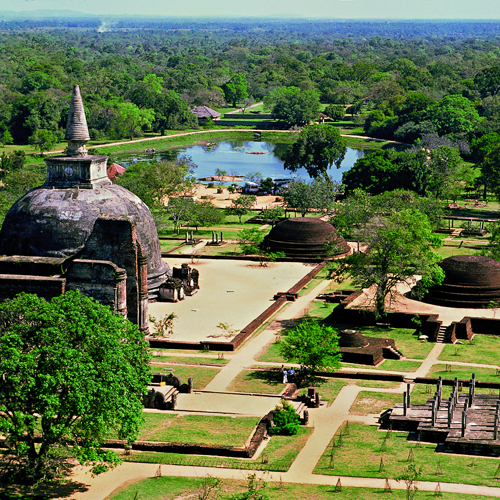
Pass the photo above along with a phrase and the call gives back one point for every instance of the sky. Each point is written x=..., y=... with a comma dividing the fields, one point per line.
x=330, y=9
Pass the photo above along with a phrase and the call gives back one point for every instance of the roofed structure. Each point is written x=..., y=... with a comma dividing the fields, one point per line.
x=204, y=113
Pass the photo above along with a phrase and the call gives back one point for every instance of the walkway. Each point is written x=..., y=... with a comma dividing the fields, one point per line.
x=325, y=420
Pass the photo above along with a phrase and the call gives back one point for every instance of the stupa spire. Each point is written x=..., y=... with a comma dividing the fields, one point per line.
x=77, y=132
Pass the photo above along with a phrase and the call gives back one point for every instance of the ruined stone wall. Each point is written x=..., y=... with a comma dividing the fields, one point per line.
x=43, y=286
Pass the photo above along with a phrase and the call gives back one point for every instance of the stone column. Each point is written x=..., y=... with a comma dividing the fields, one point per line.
x=142, y=299
x=121, y=292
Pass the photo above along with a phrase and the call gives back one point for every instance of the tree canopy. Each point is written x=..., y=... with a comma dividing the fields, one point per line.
x=312, y=345
x=73, y=373
x=317, y=149
x=399, y=246
x=293, y=105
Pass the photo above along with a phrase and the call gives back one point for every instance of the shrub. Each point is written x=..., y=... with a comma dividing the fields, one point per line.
x=286, y=420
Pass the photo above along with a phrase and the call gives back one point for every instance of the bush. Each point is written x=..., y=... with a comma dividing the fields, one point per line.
x=286, y=420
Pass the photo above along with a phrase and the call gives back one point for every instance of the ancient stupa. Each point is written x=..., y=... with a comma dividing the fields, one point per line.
x=79, y=230
x=305, y=237
x=471, y=281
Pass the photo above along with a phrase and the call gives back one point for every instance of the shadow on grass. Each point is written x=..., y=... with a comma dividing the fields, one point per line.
x=273, y=378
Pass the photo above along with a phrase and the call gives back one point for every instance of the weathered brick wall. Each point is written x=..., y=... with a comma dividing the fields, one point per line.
x=46, y=287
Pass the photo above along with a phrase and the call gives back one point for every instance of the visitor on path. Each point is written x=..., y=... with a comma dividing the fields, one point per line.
x=285, y=376
x=291, y=373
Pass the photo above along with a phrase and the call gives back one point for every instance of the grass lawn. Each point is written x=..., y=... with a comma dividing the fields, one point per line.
x=278, y=455
x=328, y=388
x=320, y=309
x=197, y=429
x=167, y=245
x=360, y=455
x=484, y=349
x=465, y=373
x=202, y=375
x=170, y=488
x=406, y=340
x=449, y=251
x=257, y=381
x=271, y=354
x=187, y=359
x=392, y=365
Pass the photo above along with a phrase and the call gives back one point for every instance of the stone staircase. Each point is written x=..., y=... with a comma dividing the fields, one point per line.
x=443, y=335
x=395, y=351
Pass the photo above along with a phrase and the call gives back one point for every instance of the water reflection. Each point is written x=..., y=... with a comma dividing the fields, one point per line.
x=237, y=157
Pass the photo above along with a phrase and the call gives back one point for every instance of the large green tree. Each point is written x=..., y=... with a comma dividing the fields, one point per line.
x=293, y=105
x=313, y=345
x=308, y=196
x=154, y=182
x=235, y=90
x=399, y=247
x=73, y=373
x=133, y=118
x=317, y=149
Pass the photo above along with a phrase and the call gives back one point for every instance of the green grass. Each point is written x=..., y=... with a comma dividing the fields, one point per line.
x=465, y=373
x=187, y=359
x=278, y=455
x=170, y=488
x=360, y=456
x=403, y=365
x=328, y=388
x=257, y=381
x=406, y=340
x=201, y=375
x=484, y=349
x=450, y=251
x=197, y=429
x=271, y=354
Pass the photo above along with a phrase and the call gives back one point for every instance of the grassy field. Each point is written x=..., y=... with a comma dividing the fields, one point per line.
x=278, y=455
x=197, y=429
x=171, y=488
x=360, y=455
x=406, y=340
x=257, y=381
x=187, y=359
x=465, y=373
x=201, y=375
x=484, y=349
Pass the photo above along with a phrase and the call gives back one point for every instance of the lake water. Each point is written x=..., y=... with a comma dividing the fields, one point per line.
x=236, y=159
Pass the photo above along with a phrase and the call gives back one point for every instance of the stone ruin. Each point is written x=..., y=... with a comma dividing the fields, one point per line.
x=81, y=231
x=163, y=391
x=466, y=422
x=471, y=281
x=184, y=281
x=305, y=237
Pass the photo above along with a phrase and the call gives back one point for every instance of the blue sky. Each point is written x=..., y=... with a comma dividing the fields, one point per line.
x=332, y=9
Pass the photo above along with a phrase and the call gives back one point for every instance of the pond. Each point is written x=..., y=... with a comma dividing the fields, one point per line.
x=240, y=158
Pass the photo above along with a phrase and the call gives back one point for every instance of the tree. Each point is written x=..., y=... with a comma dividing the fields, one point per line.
x=444, y=172
x=7, y=138
x=240, y=206
x=180, y=210
x=399, y=247
x=154, y=182
x=481, y=152
x=133, y=118
x=317, y=148
x=205, y=214
x=313, y=345
x=44, y=139
x=73, y=373
x=335, y=112
x=250, y=240
x=172, y=112
x=235, y=90
x=285, y=419
x=454, y=114
x=305, y=197
x=410, y=477
x=293, y=105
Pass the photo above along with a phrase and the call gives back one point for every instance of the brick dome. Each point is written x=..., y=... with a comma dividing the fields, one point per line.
x=304, y=237
x=470, y=281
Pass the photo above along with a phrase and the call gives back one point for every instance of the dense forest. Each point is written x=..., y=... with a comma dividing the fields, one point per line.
x=412, y=79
